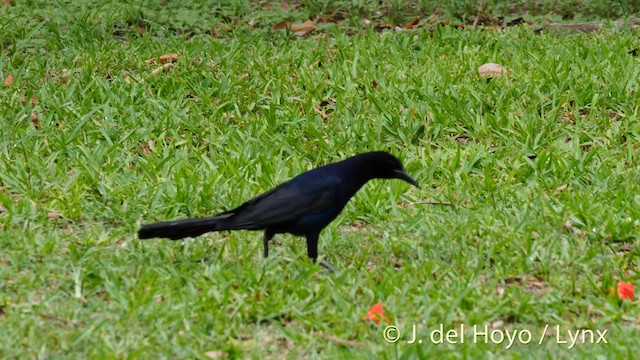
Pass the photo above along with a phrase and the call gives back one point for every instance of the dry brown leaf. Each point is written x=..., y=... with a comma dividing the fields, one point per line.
x=561, y=188
x=490, y=70
x=8, y=80
x=64, y=76
x=218, y=31
x=569, y=225
x=370, y=266
x=326, y=20
x=162, y=68
x=3, y=209
x=33, y=100
x=575, y=231
x=569, y=117
x=54, y=215
x=34, y=120
x=616, y=115
x=282, y=25
x=535, y=284
x=359, y=224
x=324, y=108
x=414, y=23
x=169, y=58
x=304, y=28
x=148, y=147
x=252, y=22
x=285, y=6
x=6, y=3
x=381, y=27
x=398, y=264
x=374, y=84
x=127, y=79
x=163, y=59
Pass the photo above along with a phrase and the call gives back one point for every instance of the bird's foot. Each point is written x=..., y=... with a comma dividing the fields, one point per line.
x=327, y=266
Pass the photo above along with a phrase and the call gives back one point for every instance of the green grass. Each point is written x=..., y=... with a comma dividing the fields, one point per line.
x=238, y=115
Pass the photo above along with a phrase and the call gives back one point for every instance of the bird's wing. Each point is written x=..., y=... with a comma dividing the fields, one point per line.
x=286, y=202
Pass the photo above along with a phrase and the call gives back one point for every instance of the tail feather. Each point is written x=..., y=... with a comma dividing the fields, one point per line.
x=179, y=229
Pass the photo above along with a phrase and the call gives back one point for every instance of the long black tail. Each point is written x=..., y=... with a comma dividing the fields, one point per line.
x=179, y=229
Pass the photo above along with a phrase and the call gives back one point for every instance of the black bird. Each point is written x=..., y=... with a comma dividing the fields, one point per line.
x=302, y=206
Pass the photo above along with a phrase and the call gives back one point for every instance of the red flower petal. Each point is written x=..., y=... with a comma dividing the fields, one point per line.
x=625, y=290
x=375, y=313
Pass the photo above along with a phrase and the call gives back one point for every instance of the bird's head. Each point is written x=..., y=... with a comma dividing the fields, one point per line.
x=387, y=166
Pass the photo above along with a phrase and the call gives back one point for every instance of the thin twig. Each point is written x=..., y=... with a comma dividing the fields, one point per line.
x=476, y=21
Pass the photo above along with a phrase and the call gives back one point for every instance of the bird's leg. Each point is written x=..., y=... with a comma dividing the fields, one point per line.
x=265, y=242
x=312, y=251
x=312, y=246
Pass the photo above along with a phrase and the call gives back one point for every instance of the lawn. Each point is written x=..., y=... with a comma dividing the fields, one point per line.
x=528, y=214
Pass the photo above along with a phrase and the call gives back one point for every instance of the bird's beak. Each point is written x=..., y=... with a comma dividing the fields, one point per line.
x=402, y=175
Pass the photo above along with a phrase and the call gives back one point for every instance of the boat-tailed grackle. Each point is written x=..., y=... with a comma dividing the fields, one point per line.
x=302, y=206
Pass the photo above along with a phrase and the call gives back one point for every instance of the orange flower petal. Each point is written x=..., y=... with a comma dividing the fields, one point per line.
x=625, y=290
x=375, y=313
